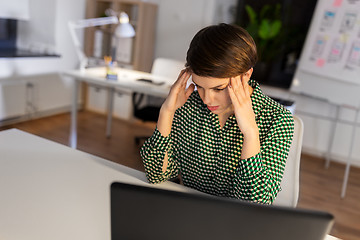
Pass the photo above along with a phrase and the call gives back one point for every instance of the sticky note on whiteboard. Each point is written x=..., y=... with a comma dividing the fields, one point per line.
x=320, y=62
x=337, y=3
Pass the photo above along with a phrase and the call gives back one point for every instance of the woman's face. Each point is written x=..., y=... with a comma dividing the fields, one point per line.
x=214, y=93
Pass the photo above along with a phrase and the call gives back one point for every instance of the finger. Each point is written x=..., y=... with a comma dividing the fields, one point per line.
x=237, y=87
x=245, y=84
x=189, y=90
x=242, y=81
x=178, y=80
x=185, y=77
x=233, y=82
x=178, y=83
x=182, y=72
x=247, y=91
x=233, y=86
x=233, y=96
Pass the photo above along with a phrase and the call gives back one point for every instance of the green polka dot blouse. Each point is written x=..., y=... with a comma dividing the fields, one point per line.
x=208, y=157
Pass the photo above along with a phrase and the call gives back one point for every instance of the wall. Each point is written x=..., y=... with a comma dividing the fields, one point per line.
x=16, y=9
x=178, y=22
x=317, y=116
x=46, y=31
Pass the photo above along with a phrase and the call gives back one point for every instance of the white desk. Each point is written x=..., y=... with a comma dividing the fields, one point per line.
x=50, y=191
x=127, y=79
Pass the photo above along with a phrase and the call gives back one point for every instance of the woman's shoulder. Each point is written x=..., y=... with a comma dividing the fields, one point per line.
x=280, y=115
x=265, y=105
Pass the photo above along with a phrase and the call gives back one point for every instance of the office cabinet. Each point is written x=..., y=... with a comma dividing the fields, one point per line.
x=13, y=96
x=98, y=101
x=142, y=16
x=28, y=97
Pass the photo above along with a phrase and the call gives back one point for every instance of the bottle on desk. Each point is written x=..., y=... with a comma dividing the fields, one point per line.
x=111, y=73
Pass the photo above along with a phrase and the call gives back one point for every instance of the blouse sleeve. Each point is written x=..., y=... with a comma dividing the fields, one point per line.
x=258, y=178
x=153, y=153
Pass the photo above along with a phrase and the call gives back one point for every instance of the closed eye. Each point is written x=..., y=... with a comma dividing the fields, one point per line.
x=216, y=89
x=219, y=89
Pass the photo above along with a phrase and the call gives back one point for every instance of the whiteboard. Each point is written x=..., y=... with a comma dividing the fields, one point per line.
x=329, y=66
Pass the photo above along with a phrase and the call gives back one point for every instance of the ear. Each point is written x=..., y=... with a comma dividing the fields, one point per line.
x=249, y=73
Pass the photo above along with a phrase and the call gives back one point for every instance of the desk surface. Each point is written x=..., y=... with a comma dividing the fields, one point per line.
x=50, y=191
x=127, y=79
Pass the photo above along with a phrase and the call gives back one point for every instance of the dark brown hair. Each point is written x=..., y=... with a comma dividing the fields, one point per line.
x=221, y=51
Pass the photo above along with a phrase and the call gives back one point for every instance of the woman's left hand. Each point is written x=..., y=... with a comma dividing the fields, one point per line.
x=240, y=92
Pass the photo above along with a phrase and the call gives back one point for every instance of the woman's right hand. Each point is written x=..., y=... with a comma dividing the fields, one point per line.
x=178, y=94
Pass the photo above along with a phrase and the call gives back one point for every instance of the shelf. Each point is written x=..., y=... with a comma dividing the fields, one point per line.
x=142, y=16
x=18, y=53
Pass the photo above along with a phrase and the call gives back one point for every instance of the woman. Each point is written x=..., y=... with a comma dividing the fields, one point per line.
x=226, y=138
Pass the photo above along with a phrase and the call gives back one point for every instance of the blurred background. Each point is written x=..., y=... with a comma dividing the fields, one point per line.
x=36, y=48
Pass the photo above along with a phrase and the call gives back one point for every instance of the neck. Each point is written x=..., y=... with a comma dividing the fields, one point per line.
x=224, y=116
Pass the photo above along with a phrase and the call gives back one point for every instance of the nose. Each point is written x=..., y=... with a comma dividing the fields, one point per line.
x=207, y=97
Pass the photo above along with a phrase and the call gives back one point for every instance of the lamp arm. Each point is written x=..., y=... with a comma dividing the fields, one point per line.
x=91, y=22
x=80, y=53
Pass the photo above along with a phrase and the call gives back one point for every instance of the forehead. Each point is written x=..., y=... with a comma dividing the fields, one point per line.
x=209, y=82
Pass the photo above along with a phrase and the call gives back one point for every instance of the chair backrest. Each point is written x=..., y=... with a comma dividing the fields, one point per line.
x=167, y=68
x=289, y=194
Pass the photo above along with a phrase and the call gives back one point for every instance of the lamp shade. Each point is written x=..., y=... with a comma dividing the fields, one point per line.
x=124, y=29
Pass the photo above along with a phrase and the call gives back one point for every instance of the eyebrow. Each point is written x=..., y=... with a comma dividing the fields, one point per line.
x=212, y=87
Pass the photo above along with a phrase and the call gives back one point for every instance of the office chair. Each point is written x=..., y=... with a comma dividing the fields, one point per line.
x=289, y=194
x=146, y=108
x=145, y=113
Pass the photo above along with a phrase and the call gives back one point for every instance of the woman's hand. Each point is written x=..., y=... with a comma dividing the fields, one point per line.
x=177, y=97
x=240, y=92
x=178, y=93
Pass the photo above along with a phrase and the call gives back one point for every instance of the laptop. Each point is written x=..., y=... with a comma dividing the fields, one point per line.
x=139, y=212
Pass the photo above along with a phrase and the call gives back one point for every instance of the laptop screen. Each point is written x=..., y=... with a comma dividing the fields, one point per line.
x=139, y=212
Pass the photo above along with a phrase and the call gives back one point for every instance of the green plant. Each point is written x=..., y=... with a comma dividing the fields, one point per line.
x=265, y=28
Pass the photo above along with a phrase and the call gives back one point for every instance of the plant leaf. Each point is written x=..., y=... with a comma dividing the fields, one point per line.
x=251, y=13
x=269, y=29
x=264, y=29
x=275, y=28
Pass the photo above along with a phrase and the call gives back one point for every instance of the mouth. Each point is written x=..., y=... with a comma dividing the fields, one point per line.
x=212, y=108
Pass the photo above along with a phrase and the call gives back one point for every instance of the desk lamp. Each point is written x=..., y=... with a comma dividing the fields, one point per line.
x=123, y=30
